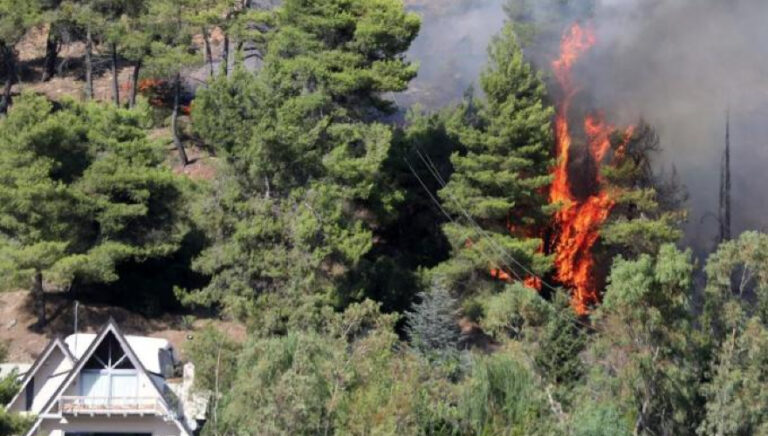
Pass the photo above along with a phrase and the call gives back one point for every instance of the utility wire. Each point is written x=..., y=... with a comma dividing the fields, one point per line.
x=447, y=215
x=433, y=171
x=500, y=250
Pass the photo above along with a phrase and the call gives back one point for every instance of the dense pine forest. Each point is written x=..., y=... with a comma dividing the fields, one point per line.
x=510, y=263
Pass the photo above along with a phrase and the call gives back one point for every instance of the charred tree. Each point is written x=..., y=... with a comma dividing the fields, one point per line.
x=724, y=210
x=38, y=294
x=88, y=63
x=9, y=65
x=115, y=84
x=52, y=47
x=174, y=121
x=208, y=52
x=134, y=84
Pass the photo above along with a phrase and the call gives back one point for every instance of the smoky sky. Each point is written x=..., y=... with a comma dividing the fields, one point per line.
x=451, y=48
x=678, y=64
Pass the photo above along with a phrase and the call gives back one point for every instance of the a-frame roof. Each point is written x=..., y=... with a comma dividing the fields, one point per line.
x=109, y=327
x=52, y=345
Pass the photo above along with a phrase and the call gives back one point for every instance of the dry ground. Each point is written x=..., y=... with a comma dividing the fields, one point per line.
x=25, y=341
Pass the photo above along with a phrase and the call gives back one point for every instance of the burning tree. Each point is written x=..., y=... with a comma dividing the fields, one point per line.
x=609, y=191
x=497, y=194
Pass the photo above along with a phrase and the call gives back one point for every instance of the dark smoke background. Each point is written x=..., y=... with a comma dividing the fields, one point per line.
x=679, y=64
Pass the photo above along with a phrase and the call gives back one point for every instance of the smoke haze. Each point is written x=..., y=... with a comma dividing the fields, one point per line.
x=679, y=64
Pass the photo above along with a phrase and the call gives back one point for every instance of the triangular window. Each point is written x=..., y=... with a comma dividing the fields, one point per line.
x=109, y=355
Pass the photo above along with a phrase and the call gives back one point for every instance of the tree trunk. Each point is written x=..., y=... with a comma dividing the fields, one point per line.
x=10, y=66
x=115, y=84
x=38, y=293
x=225, y=55
x=174, y=119
x=88, y=64
x=134, y=84
x=208, y=53
x=52, y=45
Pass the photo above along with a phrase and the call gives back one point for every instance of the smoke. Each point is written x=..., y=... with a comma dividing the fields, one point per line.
x=678, y=64
x=451, y=48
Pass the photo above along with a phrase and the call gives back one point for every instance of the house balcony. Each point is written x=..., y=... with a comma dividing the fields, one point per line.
x=110, y=406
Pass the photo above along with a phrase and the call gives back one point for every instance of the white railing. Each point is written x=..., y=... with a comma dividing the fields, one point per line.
x=108, y=405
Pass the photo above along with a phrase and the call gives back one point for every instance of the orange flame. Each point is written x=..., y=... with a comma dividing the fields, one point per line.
x=579, y=220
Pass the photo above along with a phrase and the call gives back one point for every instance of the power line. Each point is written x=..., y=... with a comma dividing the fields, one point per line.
x=435, y=173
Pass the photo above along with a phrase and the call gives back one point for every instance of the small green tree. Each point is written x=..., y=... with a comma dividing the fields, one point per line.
x=433, y=325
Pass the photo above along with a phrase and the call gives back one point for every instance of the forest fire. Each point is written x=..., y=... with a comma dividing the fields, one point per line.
x=578, y=222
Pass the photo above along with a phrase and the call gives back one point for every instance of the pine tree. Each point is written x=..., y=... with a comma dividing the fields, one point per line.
x=289, y=215
x=433, y=324
x=497, y=193
x=15, y=19
x=82, y=190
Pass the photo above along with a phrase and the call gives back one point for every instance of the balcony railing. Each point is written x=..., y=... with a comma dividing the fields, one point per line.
x=111, y=405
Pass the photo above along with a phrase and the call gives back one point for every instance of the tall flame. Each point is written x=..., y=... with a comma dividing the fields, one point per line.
x=578, y=222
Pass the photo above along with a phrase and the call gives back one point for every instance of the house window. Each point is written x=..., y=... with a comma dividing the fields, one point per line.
x=109, y=374
x=29, y=393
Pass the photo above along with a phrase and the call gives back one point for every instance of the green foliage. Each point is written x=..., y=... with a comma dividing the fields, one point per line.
x=215, y=358
x=639, y=361
x=513, y=312
x=737, y=283
x=433, y=324
x=735, y=317
x=16, y=18
x=8, y=382
x=83, y=189
x=560, y=344
x=648, y=211
x=501, y=396
x=12, y=424
x=290, y=215
x=347, y=379
x=499, y=178
x=736, y=400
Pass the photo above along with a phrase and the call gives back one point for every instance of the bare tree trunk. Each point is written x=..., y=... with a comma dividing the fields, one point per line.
x=115, y=84
x=208, y=53
x=174, y=119
x=88, y=64
x=134, y=84
x=38, y=293
x=10, y=67
x=225, y=55
x=52, y=45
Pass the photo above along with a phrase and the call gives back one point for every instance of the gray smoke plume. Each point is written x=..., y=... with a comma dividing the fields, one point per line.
x=679, y=64
x=451, y=48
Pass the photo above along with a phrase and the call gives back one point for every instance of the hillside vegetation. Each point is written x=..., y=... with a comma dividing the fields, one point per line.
x=241, y=170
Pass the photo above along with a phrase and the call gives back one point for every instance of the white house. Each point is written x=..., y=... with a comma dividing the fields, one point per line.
x=107, y=384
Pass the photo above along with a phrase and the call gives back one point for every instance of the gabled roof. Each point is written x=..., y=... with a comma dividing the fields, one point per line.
x=146, y=349
x=52, y=345
x=109, y=327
